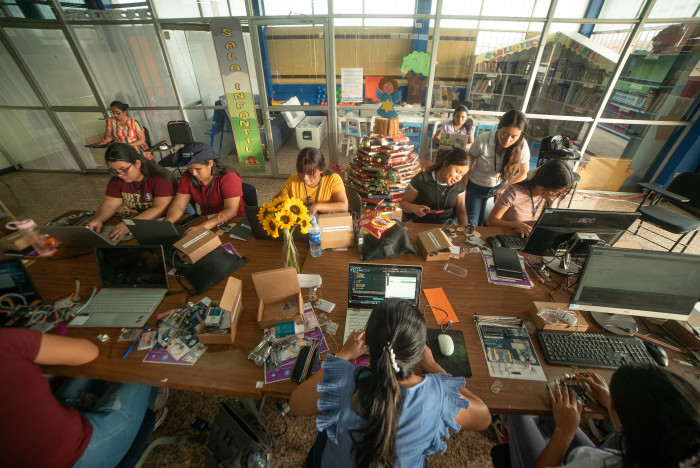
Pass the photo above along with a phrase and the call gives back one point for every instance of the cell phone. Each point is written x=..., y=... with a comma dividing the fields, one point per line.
x=187, y=220
x=434, y=211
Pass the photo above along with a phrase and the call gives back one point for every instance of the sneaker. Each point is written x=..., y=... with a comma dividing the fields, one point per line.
x=160, y=417
x=500, y=428
x=161, y=399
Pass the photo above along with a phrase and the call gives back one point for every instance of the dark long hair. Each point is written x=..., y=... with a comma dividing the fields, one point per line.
x=217, y=169
x=397, y=326
x=511, y=159
x=456, y=156
x=126, y=153
x=119, y=105
x=553, y=174
x=309, y=159
x=660, y=416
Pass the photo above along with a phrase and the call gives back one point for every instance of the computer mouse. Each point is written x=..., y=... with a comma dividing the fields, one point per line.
x=493, y=242
x=446, y=345
x=657, y=353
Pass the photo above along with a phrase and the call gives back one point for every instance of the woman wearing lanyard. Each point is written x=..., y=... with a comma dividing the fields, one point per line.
x=437, y=195
x=214, y=187
x=500, y=157
x=521, y=204
x=138, y=187
x=322, y=191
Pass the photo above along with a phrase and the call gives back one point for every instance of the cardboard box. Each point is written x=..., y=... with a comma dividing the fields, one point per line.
x=199, y=243
x=231, y=302
x=14, y=241
x=277, y=289
x=434, y=245
x=542, y=325
x=336, y=230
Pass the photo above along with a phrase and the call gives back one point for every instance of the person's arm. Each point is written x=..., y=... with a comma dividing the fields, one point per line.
x=496, y=220
x=178, y=206
x=229, y=212
x=304, y=399
x=438, y=137
x=567, y=417
x=408, y=206
x=160, y=206
x=461, y=209
x=62, y=350
x=338, y=205
x=106, y=210
x=140, y=138
x=108, y=136
x=518, y=177
x=471, y=140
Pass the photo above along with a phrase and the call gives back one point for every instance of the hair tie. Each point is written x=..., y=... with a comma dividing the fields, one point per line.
x=392, y=356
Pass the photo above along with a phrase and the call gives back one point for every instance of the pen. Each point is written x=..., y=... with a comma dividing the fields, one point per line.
x=539, y=277
x=126, y=353
x=482, y=247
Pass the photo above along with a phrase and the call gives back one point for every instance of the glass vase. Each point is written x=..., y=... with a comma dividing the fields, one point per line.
x=290, y=256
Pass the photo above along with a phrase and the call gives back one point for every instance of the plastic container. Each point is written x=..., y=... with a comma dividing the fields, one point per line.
x=315, y=238
x=42, y=243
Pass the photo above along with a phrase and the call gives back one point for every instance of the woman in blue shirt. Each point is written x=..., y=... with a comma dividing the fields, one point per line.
x=386, y=414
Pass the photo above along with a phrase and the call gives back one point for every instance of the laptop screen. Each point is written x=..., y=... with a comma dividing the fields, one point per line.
x=132, y=266
x=371, y=283
x=14, y=279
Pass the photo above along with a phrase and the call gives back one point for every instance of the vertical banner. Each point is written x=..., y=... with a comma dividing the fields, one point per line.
x=228, y=42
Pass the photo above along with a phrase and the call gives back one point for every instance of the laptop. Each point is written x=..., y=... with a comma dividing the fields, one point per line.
x=251, y=213
x=454, y=140
x=371, y=283
x=134, y=281
x=80, y=236
x=15, y=281
x=155, y=232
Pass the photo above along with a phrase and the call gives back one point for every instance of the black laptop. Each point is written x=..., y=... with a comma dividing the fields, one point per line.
x=155, y=232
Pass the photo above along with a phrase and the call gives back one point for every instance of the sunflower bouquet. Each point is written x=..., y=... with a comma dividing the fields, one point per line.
x=282, y=216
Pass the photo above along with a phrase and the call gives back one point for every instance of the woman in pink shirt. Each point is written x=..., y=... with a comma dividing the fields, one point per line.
x=521, y=204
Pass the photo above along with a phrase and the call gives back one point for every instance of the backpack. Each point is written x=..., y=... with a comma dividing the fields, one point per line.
x=558, y=147
x=555, y=143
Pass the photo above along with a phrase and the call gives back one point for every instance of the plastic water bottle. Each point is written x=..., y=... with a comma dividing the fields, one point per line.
x=315, y=238
x=42, y=243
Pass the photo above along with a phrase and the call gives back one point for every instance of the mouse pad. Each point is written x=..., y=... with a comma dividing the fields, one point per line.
x=458, y=363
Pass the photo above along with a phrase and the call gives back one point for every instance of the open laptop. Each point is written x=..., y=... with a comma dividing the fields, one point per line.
x=371, y=283
x=454, y=140
x=155, y=232
x=251, y=212
x=134, y=281
x=80, y=236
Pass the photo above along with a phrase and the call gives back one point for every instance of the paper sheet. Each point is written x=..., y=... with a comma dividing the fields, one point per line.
x=437, y=298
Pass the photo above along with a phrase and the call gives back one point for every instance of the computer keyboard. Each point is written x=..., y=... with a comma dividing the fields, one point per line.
x=591, y=349
x=512, y=241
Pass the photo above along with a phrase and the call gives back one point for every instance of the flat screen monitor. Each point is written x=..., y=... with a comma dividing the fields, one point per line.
x=555, y=229
x=664, y=285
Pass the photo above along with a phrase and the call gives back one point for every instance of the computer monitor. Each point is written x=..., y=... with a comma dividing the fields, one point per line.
x=563, y=233
x=664, y=285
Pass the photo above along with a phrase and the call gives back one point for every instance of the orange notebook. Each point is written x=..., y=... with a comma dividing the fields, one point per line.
x=437, y=298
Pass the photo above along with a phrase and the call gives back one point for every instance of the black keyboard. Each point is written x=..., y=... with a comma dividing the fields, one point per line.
x=512, y=241
x=591, y=349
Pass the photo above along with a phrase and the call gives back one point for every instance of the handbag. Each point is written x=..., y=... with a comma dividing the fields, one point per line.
x=395, y=241
x=209, y=269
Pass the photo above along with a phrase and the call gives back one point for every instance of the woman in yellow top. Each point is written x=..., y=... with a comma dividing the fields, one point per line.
x=321, y=191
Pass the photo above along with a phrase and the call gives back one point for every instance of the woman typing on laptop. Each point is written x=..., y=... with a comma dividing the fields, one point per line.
x=214, y=187
x=139, y=188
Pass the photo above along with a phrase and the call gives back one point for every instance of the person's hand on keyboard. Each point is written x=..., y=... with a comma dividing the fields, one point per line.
x=523, y=229
x=566, y=411
x=354, y=347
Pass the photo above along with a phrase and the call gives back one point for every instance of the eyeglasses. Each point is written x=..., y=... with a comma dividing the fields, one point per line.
x=555, y=193
x=123, y=171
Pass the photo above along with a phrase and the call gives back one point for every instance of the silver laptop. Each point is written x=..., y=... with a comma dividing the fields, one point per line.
x=134, y=281
x=80, y=236
x=155, y=232
x=371, y=283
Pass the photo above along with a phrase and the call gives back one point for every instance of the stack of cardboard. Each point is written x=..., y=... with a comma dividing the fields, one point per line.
x=382, y=169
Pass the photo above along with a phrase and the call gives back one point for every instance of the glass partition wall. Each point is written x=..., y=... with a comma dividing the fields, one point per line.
x=615, y=76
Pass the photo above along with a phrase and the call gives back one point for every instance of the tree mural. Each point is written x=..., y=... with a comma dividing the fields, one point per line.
x=416, y=67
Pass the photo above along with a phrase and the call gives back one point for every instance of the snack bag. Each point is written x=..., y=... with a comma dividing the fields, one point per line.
x=375, y=225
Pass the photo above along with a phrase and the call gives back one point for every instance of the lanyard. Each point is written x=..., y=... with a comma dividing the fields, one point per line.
x=211, y=190
x=532, y=202
x=437, y=196
x=495, y=154
x=318, y=190
x=141, y=191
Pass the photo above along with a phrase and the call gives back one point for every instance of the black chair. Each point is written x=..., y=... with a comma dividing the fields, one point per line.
x=354, y=203
x=684, y=193
x=180, y=132
x=250, y=194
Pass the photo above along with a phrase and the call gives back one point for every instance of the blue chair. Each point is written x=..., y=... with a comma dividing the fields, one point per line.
x=485, y=128
x=250, y=194
x=414, y=132
x=219, y=126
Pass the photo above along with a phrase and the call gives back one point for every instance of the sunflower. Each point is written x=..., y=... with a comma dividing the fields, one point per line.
x=277, y=203
x=271, y=226
x=304, y=223
x=262, y=212
x=296, y=206
x=285, y=219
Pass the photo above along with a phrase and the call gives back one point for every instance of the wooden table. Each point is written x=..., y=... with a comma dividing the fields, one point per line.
x=224, y=369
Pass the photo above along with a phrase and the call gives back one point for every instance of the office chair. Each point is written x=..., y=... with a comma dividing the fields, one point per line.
x=354, y=203
x=683, y=186
x=180, y=132
x=250, y=194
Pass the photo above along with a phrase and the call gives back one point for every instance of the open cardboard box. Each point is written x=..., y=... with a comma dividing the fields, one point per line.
x=277, y=289
x=434, y=245
x=197, y=244
x=336, y=230
x=230, y=301
x=542, y=325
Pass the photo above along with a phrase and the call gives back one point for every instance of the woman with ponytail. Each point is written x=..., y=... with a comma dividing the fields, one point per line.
x=386, y=414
